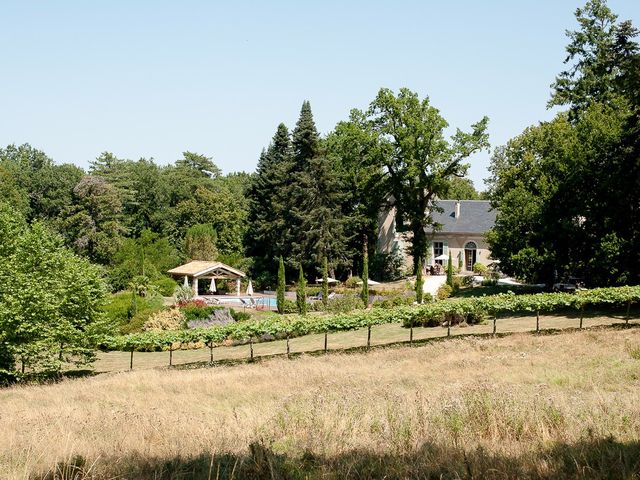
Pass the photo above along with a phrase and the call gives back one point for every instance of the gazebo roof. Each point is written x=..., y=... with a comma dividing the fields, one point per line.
x=201, y=268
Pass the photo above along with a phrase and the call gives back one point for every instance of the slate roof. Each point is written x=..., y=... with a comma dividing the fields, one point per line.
x=476, y=216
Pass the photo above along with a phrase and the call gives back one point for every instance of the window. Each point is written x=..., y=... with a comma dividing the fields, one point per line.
x=438, y=249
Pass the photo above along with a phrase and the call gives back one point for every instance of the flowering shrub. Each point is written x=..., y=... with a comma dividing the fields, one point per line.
x=172, y=319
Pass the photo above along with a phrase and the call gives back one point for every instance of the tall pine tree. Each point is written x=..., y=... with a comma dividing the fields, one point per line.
x=317, y=223
x=266, y=238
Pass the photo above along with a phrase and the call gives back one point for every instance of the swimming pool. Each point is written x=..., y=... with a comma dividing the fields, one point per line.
x=260, y=302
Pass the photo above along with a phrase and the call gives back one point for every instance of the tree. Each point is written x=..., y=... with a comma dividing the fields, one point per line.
x=148, y=255
x=316, y=226
x=301, y=293
x=597, y=57
x=450, y=271
x=365, y=274
x=461, y=189
x=200, y=242
x=553, y=184
x=92, y=224
x=281, y=287
x=419, y=282
x=267, y=236
x=325, y=283
x=49, y=303
x=305, y=140
x=417, y=159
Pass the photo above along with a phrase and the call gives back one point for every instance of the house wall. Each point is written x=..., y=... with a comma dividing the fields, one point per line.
x=455, y=242
x=388, y=239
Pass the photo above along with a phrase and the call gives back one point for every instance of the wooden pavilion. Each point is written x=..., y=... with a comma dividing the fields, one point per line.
x=202, y=270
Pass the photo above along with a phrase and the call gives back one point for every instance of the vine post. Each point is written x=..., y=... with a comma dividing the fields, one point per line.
x=627, y=316
x=411, y=334
x=581, y=315
x=449, y=326
x=210, y=345
x=537, y=321
x=170, y=354
x=288, y=349
x=325, y=342
x=369, y=336
x=251, y=348
x=130, y=360
x=495, y=317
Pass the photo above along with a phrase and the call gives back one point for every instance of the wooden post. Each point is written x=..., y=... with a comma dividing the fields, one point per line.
x=60, y=354
x=22, y=368
x=449, y=327
x=626, y=321
x=537, y=321
x=288, y=350
x=210, y=352
x=325, y=342
x=170, y=355
x=251, y=347
x=411, y=335
x=581, y=315
x=131, y=360
x=369, y=336
x=494, y=324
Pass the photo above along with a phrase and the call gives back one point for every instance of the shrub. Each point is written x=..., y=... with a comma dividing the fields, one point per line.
x=467, y=281
x=480, y=269
x=289, y=306
x=352, y=282
x=341, y=304
x=489, y=282
x=399, y=300
x=183, y=293
x=165, y=286
x=444, y=291
x=239, y=316
x=172, y=319
x=129, y=312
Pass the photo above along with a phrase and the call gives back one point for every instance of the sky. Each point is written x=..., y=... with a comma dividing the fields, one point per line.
x=157, y=78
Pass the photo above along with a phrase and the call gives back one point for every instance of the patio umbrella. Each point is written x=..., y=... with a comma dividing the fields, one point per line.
x=329, y=280
x=250, y=289
x=212, y=287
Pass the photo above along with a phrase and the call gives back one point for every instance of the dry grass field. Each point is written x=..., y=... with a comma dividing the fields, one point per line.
x=565, y=405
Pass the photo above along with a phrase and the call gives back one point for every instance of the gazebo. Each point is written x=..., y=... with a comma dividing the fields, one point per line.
x=200, y=269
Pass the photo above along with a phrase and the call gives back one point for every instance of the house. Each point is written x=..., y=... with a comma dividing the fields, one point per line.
x=463, y=225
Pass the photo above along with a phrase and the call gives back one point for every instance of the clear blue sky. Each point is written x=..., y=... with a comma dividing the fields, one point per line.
x=155, y=78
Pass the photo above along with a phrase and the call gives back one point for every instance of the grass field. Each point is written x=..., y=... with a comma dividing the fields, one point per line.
x=522, y=406
x=381, y=335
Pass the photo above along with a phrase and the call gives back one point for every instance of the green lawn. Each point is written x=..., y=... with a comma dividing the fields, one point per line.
x=380, y=335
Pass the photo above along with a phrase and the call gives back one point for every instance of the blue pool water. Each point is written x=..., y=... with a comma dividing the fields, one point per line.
x=264, y=302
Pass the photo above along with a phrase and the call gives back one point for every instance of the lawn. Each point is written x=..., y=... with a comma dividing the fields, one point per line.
x=380, y=335
x=519, y=406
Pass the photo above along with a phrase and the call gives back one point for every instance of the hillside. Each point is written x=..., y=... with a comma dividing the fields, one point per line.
x=540, y=406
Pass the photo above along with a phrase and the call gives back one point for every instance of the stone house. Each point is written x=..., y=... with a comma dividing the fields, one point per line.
x=463, y=225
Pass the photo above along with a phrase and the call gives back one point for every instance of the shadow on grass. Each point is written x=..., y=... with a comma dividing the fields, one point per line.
x=590, y=458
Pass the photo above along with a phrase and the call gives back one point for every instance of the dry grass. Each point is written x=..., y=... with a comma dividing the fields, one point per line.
x=549, y=406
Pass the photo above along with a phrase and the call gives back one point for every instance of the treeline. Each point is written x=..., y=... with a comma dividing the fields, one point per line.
x=567, y=191
x=312, y=197
x=137, y=218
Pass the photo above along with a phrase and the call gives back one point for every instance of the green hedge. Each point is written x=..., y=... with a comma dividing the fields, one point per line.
x=431, y=314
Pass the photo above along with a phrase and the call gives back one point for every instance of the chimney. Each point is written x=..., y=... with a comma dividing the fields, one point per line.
x=457, y=209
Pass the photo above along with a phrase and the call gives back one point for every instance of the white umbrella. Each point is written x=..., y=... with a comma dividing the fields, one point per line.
x=442, y=257
x=212, y=287
x=329, y=280
x=250, y=289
